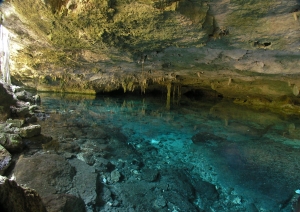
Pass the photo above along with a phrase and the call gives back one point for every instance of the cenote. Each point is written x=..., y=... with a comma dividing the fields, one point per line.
x=149, y=153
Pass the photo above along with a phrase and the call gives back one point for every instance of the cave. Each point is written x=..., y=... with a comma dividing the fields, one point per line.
x=149, y=105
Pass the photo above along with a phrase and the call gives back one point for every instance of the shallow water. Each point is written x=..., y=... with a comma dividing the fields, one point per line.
x=250, y=155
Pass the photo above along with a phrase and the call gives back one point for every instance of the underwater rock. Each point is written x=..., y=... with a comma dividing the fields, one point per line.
x=64, y=203
x=13, y=143
x=30, y=131
x=85, y=183
x=5, y=159
x=149, y=175
x=115, y=176
x=204, y=137
x=18, y=199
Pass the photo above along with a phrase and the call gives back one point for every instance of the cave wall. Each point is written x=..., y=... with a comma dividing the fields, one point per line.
x=236, y=48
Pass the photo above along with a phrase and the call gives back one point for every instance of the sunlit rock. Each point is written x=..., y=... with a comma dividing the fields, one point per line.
x=13, y=143
x=30, y=131
x=15, y=122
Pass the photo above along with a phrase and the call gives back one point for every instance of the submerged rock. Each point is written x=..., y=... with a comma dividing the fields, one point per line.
x=14, y=198
x=64, y=203
x=115, y=176
x=85, y=183
x=204, y=137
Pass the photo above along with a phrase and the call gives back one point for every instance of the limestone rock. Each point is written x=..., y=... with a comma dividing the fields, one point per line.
x=13, y=143
x=24, y=96
x=14, y=198
x=30, y=131
x=48, y=173
x=15, y=122
x=5, y=159
x=64, y=203
x=51, y=175
x=115, y=176
x=21, y=112
x=149, y=175
x=6, y=100
x=85, y=182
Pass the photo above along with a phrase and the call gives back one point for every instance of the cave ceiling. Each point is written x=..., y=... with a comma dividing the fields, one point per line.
x=235, y=47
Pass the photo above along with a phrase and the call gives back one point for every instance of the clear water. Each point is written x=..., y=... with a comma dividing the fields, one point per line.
x=253, y=156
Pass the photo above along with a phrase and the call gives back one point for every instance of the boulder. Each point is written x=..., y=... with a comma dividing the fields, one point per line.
x=5, y=159
x=24, y=96
x=21, y=112
x=51, y=176
x=30, y=131
x=14, y=198
x=13, y=143
x=85, y=182
x=15, y=122
x=47, y=173
x=64, y=203
x=6, y=100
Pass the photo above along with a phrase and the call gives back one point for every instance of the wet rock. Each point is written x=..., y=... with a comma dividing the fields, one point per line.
x=5, y=159
x=149, y=175
x=13, y=143
x=30, y=131
x=115, y=176
x=88, y=157
x=47, y=173
x=85, y=183
x=160, y=202
x=64, y=203
x=14, y=198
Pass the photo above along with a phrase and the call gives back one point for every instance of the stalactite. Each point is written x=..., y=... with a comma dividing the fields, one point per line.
x=4, y=54
x=169, y=88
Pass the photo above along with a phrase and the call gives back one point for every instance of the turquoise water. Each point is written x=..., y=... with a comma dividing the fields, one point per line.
x=250, y=156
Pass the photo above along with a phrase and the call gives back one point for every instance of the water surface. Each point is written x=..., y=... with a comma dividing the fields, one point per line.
x=250, y=155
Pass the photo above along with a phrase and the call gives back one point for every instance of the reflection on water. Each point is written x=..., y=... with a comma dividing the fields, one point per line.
x=253, y=154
